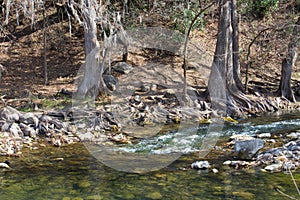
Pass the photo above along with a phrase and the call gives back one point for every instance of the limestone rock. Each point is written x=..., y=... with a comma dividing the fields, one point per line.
x=10, y=114
x=274, y=167
x=264, y=135
x=200, y=165
x=248, y=148
x=122, y=67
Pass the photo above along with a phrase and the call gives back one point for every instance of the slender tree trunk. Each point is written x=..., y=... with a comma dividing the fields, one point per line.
x=285, y=89
x=45, y=46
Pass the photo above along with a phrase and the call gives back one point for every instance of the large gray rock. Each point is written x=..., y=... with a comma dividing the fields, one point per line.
x=122, y=67
x=15, y=130
x=248, y=148
x=10, y=114
x=29, y=119
x=27, y=130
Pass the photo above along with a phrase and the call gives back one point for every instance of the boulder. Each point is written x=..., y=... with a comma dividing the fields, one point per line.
x=10, y=114
x=122, y=68
x=247, y=149
x=110, y=82
x=29, y=119
x=15, y=130
x=27, y=130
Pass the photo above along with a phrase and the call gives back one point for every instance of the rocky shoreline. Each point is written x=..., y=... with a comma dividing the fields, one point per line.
x=101, y=125
x=258, y=152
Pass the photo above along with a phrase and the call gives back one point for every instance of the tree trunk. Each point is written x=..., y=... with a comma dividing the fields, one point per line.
x=92, y=83
x=285, y=89
x=222, y=84
x=235, y=46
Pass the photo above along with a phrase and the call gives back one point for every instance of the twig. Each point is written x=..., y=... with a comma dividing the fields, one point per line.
x=286, y=195
x=294, y=181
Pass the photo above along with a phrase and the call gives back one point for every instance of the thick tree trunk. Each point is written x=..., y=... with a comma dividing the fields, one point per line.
x=92, y=83
x=222, y=84
x=285, y=89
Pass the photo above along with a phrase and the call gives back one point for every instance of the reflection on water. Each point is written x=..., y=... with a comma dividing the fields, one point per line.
x=39, y=174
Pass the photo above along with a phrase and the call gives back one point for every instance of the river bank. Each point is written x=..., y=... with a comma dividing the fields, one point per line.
x=278, y=152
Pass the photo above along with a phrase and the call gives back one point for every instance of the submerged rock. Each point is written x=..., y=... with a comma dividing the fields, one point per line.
x=248, y=148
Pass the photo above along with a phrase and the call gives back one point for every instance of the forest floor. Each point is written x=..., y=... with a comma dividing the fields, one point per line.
x=22, y=80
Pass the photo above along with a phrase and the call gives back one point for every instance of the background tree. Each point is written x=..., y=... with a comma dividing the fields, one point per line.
x=285, y=88
x=89, y=13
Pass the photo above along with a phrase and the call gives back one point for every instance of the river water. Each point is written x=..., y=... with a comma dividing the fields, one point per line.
x=43, y=174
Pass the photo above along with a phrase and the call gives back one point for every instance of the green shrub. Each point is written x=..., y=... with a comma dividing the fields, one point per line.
x=258, y=8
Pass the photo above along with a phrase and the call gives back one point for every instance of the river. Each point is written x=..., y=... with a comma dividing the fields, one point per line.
x=71, y=172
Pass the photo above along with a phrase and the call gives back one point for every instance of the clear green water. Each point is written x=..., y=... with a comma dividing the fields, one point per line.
x=37, y=175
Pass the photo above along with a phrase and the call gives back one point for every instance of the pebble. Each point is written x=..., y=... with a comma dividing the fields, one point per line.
x=264, y=135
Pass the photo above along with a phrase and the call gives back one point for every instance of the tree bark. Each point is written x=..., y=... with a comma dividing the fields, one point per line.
x=285, y=89
x=222, y=84
x=92, y=82
x=235, y=46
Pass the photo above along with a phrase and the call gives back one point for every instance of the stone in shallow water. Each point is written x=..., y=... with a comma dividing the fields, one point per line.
x=227, y=162
x=241, y=137
x=264, y=135
x=274, y=167
x=200, y=165
x=293, y=135
x=248, y=148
